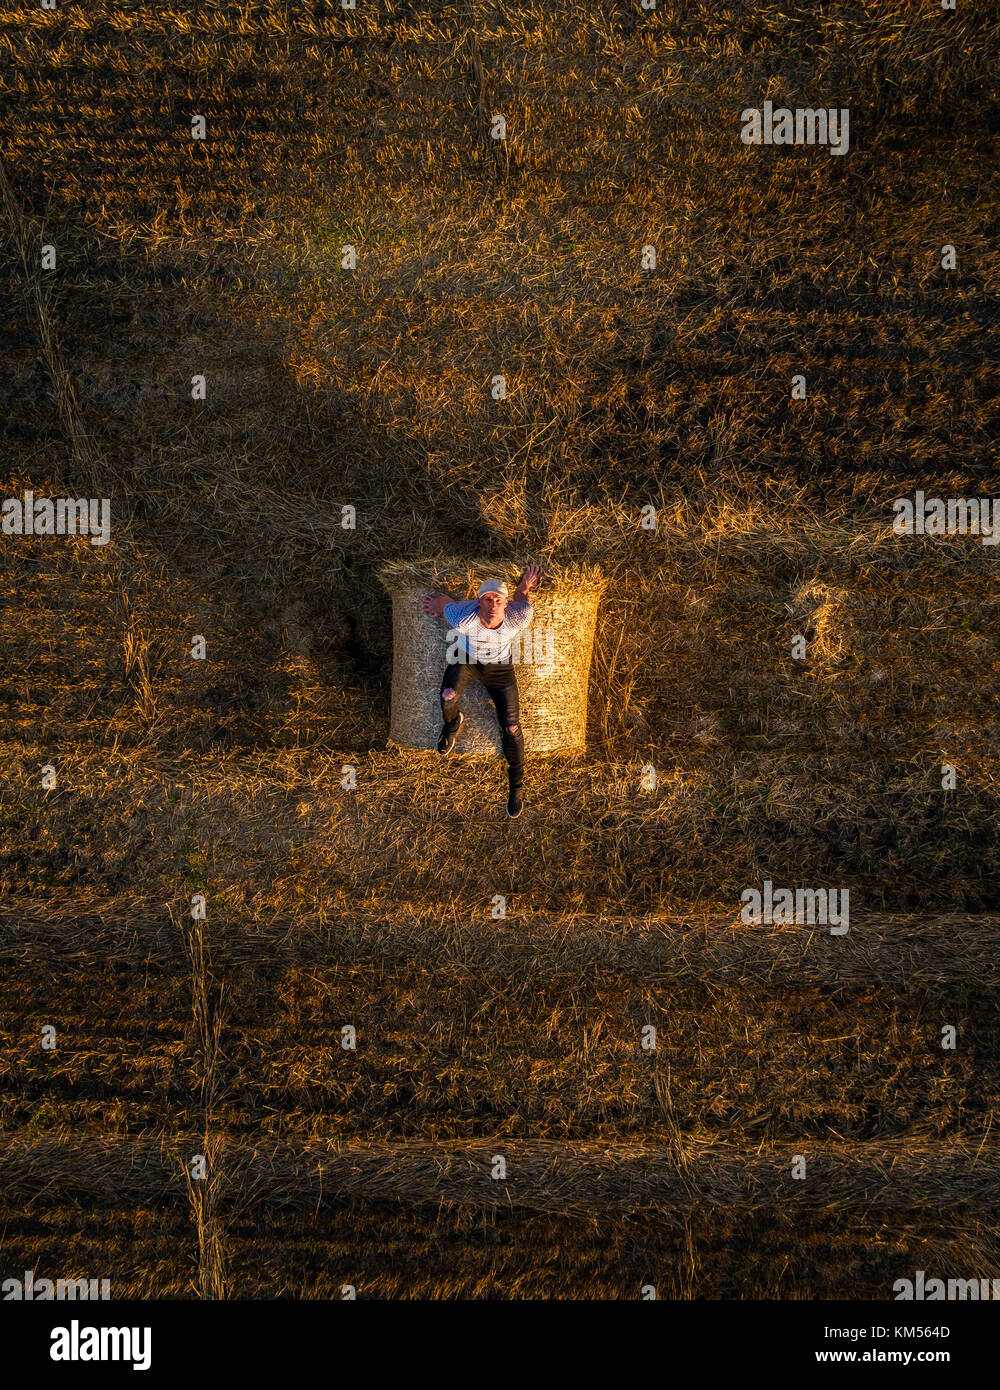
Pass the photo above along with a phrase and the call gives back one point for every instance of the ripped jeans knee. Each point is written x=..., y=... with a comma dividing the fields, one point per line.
x=510, y=737
x=513, y=749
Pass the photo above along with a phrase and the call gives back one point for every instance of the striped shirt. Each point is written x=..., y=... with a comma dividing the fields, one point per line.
x=477, y=642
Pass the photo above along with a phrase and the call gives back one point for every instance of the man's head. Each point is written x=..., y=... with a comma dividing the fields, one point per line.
x=493, y=596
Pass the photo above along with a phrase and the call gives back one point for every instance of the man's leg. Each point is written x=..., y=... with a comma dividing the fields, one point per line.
x=456, y=678
x=501, y=682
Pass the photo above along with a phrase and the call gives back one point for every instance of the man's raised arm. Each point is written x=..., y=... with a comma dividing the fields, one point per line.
x=435, y=604
x=529, y=580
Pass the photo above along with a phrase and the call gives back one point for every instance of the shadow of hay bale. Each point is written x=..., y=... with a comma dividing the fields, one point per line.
x=553, y=662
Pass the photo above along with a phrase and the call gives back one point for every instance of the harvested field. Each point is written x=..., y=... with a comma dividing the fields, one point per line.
x=391, y=983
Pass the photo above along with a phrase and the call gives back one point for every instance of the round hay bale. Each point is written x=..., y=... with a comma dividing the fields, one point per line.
x=552, y=673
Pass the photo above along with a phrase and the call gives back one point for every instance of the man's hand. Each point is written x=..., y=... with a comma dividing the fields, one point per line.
x=435, y=603
x=529, y=580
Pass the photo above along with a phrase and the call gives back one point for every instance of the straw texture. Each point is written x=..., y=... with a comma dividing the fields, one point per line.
x=573, y=1178
x=552, y=674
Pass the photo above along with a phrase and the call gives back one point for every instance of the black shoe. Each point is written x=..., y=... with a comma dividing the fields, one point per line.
x=515, y=800
x=448, y=736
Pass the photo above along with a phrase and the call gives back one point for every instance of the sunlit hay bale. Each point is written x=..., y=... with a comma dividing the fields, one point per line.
x=552, y=671
x=828, y=619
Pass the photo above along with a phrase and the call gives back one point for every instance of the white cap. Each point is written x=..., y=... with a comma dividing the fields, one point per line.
x=493, y=586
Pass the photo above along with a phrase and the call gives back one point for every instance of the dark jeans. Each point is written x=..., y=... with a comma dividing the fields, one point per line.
x=500, y=681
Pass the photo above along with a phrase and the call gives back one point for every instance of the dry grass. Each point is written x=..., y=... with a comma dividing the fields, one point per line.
x=205, y=1186
x=572, y=1179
